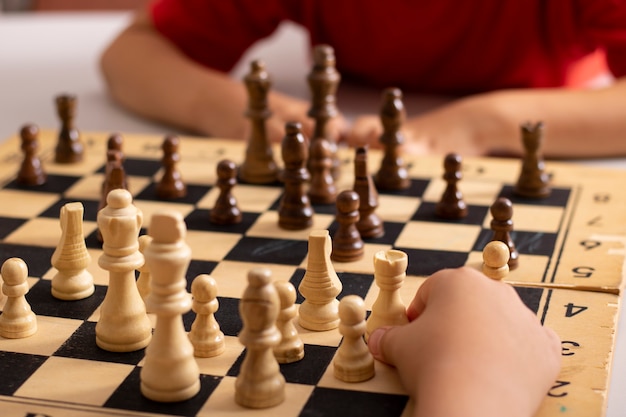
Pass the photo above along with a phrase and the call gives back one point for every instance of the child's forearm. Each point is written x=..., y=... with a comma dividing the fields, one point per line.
x=149, y=76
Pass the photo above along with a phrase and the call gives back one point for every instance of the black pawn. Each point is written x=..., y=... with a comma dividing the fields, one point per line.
x=322, y=189
x=171, y=186
x=31, y=171
x=502, y=226
x=451, y=206
x=225, y=210
x=294, y=211
x=347, y=243
x=369, y=225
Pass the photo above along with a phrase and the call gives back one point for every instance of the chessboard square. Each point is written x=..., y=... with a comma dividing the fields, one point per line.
x=546, y=219
x=392, y=208
x=219, y=365
x=385, y=381
x=532, y=243
x=424, y=262
x=45, y=231
x=481, y=193
x=196, y=268
x=51, y=333
x=343, y=402
x=415, y=189
x=352, y=283
x=37, y=258
x=251, y=198
x=267, y=226
x=25, y=204
x=261, y=249
x=307, y=370
x=194, y=194
x=57, y=184
x=330, y=338
x=211, y=246
x=86, y=382
x=232, y=276
x=438, y=236
x=222, y=401
x=392, y=231
x=227, y=315
x=149, y=207
x=9, y=225
x=558, y=197
x=90, y=187
x=90, y=209
x=475, y=215
x=128, y=396
x=43, y=303
x=407, y=291
x=199, y=219
x=90, y=163
x=16, y=368
x=140, y=167
x=531, y=269
x=82, y=345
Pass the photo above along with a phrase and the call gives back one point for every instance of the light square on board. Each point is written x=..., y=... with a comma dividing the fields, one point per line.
x=90, y=187
x=438, y=236
x=481, y=193
x=51, y=333
x=210, y=246
x=251, y=198
x=149, y=207
x=24, y=204
x=266, y=225
x=531, y=268
x=534, y=218
x=88, y=382
x=90, y=163
x=232, y=276
x=219, y=365
x=394, y=208
x=44, y=231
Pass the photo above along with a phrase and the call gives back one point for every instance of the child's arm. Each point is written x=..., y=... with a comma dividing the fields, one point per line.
x=150, y=76
x=472, y=349
x=582, y=123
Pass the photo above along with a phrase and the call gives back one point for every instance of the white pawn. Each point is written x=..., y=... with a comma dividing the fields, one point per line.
x=389, y=273
x=143, y=281
x=170, y=372
x=291, y=347
x=71, y=258
x=205, y=335
x=320, y=286
x=259, y=383
x=17, y=319
x=495, y=260
x=353, y=361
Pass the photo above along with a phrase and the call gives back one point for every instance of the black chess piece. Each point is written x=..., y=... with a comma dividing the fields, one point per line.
x=171, y=185
x=502, y=226
x=392, y=174
x=258, y=166
x=322, y=189
x=294, y=211
x=31, y=171
x=347, y=243
x=69, y=147
x=369, y=224
x=225, y=210
x=533, y=181
x=451, y=205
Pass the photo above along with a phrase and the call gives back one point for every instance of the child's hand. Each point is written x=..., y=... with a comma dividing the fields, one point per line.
x=472, y=349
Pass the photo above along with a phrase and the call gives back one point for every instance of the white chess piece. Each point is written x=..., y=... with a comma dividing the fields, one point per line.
x=17, y=319
x=389, y=273
x=353, y=361
x=495, y=260
x=143, y=281
x=291, y=347
x=170, y=372
x=259, y=383
x=320, y=286
x=71, y=258
x=124, y=325
x=205, y=334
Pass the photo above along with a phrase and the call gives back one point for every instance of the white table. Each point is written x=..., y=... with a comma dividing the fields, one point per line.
x=42, y=55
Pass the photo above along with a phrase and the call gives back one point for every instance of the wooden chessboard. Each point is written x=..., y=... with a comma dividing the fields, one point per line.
x=571, y=248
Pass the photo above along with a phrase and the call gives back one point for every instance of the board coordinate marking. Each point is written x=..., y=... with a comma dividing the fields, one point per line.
x=560, y=240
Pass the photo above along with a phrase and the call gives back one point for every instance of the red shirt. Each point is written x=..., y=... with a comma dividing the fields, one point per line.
x=452, y=46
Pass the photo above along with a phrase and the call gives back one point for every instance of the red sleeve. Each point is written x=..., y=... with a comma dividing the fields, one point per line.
x=216, y=33
x=604, y=23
